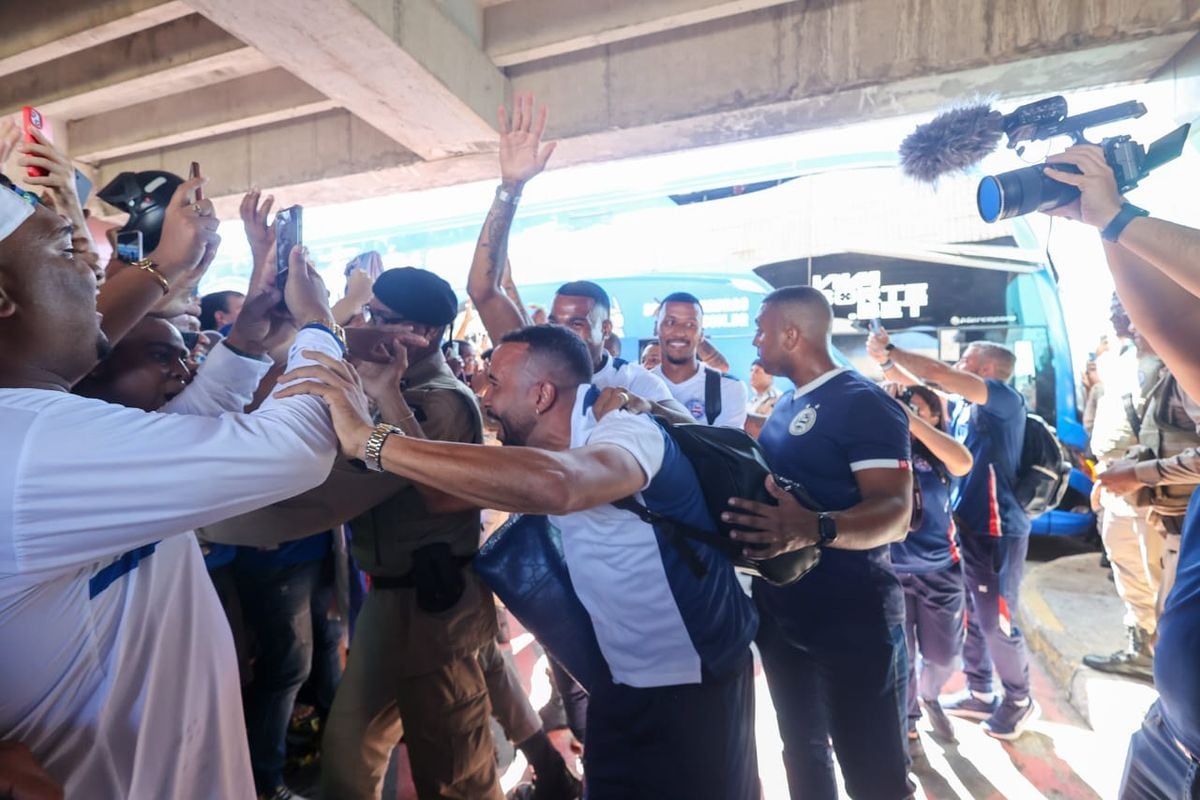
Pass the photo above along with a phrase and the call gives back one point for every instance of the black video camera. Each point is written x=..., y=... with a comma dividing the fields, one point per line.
x=1022, y=191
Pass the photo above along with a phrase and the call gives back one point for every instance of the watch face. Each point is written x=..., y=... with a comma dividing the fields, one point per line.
x=827, y=528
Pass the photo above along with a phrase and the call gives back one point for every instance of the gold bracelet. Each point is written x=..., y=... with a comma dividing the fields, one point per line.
x=150, y=268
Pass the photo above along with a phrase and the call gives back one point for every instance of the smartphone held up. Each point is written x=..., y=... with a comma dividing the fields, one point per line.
x=289, y=233
x=31, y=120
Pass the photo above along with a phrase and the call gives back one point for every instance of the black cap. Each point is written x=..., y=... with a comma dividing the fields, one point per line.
x=417, y=295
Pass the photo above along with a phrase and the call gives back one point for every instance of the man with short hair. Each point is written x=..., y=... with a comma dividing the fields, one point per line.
x=118, y=668
x=993, y=527
x=413, y=669
x=676, y=722
x=712, y=397
x=581, y=306
x=219, y=310
x=766, y=393
x=651, y=356
x=832, y=644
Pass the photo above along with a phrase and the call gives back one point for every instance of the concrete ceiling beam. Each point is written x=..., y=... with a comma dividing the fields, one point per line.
x=247, y=102
x=402, y=66
x=528, y=30
x=178, y=56
x=33, y=38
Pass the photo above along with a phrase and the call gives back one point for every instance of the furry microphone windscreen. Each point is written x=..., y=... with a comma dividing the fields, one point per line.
x=952, y=142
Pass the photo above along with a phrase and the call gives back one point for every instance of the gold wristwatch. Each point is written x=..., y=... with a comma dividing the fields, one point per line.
x=335, y=330
x=373, y=451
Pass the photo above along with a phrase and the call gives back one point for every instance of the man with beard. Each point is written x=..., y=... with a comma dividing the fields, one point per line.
x=119, y=672
x=713, y=398
x=413, y=669
x=677, y=719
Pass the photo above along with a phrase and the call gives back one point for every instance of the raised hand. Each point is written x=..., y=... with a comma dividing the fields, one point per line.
x=305, y=293
x=521, y=154
x=10, y=136
x=60, y=180
x=877, y=346
x=189, y=238
x=254, y=220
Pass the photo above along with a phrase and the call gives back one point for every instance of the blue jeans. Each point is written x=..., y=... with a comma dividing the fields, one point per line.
x=843, y=682
x=994, y=567
x=277, y=607
x=1156, y=767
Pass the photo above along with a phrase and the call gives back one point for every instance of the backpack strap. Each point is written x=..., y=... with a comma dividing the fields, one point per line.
x=676, y=534
x=712, y=394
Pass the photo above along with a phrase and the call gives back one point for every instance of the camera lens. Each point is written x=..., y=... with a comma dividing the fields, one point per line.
x=1021, y=191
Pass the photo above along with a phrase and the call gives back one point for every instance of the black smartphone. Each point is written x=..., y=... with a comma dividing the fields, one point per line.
x=129, y=246
x=289, y=232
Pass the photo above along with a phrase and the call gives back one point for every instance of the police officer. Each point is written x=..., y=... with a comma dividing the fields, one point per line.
x=413, y=668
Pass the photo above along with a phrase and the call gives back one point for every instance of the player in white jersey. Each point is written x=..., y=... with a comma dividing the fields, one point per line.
x=712, y=397
x=118, y=671
x=581, y=306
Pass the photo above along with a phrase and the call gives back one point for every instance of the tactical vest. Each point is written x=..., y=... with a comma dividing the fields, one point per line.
x=1166, y=440
x=385, y=537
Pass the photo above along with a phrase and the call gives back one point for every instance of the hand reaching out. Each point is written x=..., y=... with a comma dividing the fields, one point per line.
x=254, y=220
x=877, y=346
x=521, y=154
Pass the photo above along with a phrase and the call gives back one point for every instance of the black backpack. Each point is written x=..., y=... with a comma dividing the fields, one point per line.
x=1044, y=471
x=728, y=463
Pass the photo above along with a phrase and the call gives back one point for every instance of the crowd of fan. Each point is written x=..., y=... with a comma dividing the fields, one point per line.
x=208, y=499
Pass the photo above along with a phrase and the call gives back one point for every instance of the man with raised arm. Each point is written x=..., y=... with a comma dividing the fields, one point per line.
x=990, y=421
x=581, y=306
x=118, y=667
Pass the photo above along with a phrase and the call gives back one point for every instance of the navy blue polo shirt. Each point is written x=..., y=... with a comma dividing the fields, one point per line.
x=994, y=432
x=1177, y=653
x=933, y=546
x=820, y=435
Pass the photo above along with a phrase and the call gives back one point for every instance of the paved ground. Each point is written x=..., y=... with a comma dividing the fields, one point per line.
x=1077, y=748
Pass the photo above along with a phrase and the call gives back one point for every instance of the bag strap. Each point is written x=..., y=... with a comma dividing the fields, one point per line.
x=712, y=394
x=1131, y=415
x=677, y=532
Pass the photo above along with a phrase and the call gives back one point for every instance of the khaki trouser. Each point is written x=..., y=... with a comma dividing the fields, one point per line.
x=443, y=714
x=1170, y=561
x=1134, y=549
x=510, y=704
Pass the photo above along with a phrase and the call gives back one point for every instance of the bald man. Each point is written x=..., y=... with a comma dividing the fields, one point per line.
x=990, y=420
x=832, y=644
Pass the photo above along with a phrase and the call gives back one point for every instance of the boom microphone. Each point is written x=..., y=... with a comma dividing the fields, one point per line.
x=952, y=142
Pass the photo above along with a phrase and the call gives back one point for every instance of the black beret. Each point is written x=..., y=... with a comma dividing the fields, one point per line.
x=417, y=295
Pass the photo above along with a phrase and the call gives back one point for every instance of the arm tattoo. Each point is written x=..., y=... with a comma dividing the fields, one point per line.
x=495, y=238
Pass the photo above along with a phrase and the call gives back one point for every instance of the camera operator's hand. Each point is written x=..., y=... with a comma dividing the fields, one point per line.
x=305, y=293
x=189, y=238
x=520, y=158
x=1099, y=201
x=877, y=346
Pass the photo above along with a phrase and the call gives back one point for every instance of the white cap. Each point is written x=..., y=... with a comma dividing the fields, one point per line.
x=14, y=210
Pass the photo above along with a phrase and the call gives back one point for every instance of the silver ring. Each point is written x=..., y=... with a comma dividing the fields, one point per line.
x=199, y=209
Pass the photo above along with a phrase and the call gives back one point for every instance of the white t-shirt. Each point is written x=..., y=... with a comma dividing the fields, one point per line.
x=633, y=377
x=615, y=565
x=692, y=395
x=118, y=669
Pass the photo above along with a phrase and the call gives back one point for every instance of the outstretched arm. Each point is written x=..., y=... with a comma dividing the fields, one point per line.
x=521, y=158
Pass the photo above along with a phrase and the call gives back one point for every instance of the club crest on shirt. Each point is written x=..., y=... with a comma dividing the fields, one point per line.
x=802, y=423
x=696, y=407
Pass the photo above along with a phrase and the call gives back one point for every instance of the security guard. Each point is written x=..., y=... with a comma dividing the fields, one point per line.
x=413, y=668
